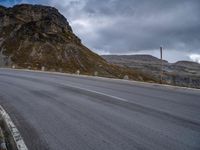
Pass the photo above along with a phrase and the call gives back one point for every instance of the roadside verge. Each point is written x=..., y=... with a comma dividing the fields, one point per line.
x=131, y=82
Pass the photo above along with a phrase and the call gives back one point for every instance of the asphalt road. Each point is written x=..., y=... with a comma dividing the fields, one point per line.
x=65, y=112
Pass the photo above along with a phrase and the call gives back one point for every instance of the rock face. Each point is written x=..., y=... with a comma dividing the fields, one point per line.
x=39, y=37
x=181, y=73
x=35, y=36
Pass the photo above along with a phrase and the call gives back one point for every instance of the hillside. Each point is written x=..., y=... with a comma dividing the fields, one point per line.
x=181, y=73
x=133, y=60
x=36, y=37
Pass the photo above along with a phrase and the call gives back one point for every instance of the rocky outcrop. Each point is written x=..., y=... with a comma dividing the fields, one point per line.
x=39, y=37
x=181, y=73
x=32, y=36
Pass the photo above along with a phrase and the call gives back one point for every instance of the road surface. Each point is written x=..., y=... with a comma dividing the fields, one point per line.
x=66, y=112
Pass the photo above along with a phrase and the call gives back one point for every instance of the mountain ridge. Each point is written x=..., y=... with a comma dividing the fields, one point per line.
x=37, y=32
x=38, y=37
x=181, y=73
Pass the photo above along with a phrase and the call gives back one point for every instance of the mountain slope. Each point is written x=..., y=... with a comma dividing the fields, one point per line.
x=182, y=73
x=40, y=36
x=129, y=60
x=35, y=37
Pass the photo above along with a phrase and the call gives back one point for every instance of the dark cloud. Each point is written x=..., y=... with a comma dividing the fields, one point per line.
x=144, y=24
x=124, y=26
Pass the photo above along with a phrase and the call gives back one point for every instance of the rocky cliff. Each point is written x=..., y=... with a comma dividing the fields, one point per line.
x=35, y=37
x=181, y=73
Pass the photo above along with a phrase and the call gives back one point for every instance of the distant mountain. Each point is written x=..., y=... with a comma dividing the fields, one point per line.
x=35, y=37
x=182, y=73
x=129, y=58
x=188, y=64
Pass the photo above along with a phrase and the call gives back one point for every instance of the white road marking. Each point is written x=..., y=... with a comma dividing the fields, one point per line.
x=100, y=93
x=14, y=131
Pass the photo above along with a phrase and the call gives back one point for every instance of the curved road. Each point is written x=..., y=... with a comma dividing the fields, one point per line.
x=66, y=112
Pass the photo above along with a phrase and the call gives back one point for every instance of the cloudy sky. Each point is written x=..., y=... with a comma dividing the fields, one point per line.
x=133, y=26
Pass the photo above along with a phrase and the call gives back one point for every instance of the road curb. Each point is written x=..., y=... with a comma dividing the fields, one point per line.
x=19, y=142
x=2, y=140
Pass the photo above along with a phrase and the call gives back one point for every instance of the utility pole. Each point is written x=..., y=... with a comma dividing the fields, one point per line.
x=161, y=58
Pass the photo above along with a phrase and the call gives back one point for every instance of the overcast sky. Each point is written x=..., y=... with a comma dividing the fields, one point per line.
x=133, y=26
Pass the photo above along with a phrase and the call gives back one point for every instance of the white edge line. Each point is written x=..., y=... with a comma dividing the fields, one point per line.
x=13, y=129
